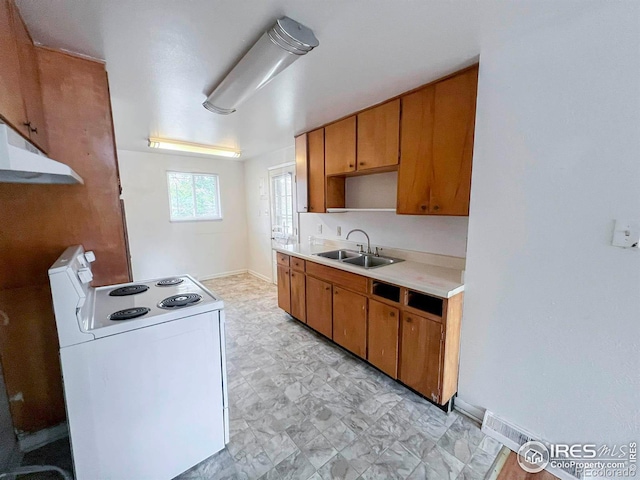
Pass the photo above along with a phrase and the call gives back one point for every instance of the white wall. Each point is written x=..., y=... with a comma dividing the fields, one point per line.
x=551, y=329
x=258, y=208
x=440, y=235
x=161, y=248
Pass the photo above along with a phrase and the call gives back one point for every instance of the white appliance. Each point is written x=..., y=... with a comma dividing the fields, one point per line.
x=144, y=373
x=21, y=162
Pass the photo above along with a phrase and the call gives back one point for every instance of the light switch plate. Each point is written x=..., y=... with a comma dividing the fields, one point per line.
x=626, y=233
x=339, y=231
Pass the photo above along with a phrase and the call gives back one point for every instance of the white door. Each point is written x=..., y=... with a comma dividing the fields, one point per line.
x=284, y=219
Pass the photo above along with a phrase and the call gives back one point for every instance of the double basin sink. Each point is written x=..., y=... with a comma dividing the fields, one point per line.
x=364, y=260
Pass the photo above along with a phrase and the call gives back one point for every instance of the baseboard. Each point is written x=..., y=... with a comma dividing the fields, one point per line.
x=477, y=413
x=260, y=276
x=223, y=274
x=31, y=441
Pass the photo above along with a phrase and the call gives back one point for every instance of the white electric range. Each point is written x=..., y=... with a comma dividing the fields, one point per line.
x=144, y=373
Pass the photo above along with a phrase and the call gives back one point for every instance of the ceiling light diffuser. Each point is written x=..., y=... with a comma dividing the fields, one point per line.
x=179, y=146
x=276, y=49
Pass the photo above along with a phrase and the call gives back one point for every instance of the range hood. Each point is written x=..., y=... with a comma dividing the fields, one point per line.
x=21, y=162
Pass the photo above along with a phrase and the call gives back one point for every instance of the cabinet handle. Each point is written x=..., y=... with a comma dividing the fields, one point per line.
x=408, y=319
x=351, y=165
x=362, y=163
x=436, y=207
x=392, y=314
x=34, y=130
x=423, y=207
x=327, y=288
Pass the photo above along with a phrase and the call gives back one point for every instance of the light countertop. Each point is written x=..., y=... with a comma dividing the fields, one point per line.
x=423, y=277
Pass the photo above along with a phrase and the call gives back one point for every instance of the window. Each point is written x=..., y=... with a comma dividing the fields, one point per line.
x=193, y=196
x=282, y=205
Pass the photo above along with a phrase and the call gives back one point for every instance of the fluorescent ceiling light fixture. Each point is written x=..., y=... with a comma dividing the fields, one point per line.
x=276, y=49
x=179, y=146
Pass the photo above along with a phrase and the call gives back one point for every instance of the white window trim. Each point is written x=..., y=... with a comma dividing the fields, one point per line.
x=213, y=218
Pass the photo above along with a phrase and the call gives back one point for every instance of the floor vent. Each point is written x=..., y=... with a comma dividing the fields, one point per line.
x=514, y=437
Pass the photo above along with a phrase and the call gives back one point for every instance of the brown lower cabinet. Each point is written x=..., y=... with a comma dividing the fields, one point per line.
x=284, y=289
x=420, y=355
x=382, y=337
x=298, y=295
x=320, y=306
x=411, y=336
x=350, y=320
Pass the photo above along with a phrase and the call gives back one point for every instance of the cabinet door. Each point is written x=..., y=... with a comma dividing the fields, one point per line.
x=453, y=127
x=298, y=294
x=284, y=289
x=11, y=103
x=416, y=140
x=315, y=140
x=379, y=136
x=340, y=147
x=302, y=171
x=382, y=337
x=319, y=311
x=350, y=321
x=420, y=355
x=30, y=83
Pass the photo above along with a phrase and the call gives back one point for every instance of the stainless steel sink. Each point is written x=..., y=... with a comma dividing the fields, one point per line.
x=352, y=257
x=371, y=261
x=339, y=254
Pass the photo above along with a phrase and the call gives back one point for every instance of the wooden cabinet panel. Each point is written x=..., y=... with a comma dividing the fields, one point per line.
x=12, y=107
x=340, y=146
x=302, y=169
x=350, y=321
x=350, y=280
x=315, y=141
x=420, y=355
x=416, y=146
x=30, y=84
x=297, y=264
x=298, y=296
x=382, y=337
x=319, y=306
x=379, y=136
x=436, y=132
x=282, y=259
x=284, y=289
x=453, y=128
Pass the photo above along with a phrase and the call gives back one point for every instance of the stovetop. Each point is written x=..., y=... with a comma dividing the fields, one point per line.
x=180, y=295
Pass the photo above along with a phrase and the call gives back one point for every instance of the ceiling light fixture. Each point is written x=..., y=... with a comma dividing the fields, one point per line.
x=276, y=49
x=179, y=146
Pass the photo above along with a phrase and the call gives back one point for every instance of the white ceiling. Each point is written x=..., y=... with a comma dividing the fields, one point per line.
x=164, y=56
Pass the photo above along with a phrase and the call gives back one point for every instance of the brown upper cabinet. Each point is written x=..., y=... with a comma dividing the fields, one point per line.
x=12, y=107
x=302, y=173
x=379, y=136
x=340, y=147
x=20, y=89
x=436, y=132
x=315, y=145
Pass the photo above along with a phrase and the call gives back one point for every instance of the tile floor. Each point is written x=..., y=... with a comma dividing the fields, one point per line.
x=303, y=409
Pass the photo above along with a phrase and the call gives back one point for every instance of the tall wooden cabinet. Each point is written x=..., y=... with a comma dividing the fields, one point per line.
x=284, y=288
x=382, y=337
x=436, y=148
x=40, y=221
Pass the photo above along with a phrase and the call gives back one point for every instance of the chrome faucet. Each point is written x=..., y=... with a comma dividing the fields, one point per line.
x=365, y=234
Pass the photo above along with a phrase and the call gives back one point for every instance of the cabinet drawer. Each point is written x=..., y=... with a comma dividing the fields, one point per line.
x=282, y=259
x=338, y=277
x=297, y=264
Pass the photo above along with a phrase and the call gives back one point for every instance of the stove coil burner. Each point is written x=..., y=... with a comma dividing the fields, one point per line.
x=168, y=282
x=128, y=290
x=179, y=301
x=129, y=313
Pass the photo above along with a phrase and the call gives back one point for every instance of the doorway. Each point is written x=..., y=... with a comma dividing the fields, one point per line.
x=284, y=219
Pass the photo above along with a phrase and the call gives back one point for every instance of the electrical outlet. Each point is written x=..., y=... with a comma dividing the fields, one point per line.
x=319, y=229
x=339, y=231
